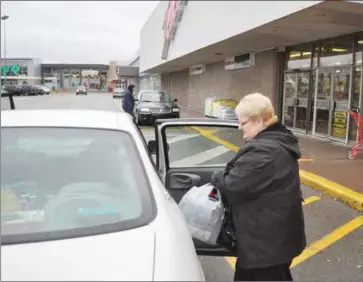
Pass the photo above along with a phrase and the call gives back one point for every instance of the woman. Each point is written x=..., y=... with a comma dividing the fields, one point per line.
x=262, y=186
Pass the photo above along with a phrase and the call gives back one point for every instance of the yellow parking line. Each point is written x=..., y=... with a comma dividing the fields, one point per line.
x=328, y=240
x=232, y=262
x=319, y=245
x=310, y=200
x=208, y=134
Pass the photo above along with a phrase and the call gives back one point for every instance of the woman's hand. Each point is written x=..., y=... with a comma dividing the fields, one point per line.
x=215, y=176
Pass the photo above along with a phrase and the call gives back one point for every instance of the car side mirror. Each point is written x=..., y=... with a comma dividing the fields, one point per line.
x=175, y=100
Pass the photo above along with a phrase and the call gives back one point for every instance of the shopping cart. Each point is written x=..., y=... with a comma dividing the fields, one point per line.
x=358, y=146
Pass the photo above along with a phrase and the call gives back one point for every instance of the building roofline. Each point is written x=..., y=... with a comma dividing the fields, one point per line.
x=135, y=57
x=19, y=58
x=76, y=65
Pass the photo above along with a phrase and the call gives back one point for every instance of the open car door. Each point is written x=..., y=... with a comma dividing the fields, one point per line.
x=188, y=151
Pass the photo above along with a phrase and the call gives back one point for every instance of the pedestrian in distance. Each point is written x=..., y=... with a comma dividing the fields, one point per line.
x=262, y=187
x=128, y=101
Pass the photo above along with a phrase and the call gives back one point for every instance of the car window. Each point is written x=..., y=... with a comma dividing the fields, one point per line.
x=202, y=146
x=62, y=182
x=155, y=96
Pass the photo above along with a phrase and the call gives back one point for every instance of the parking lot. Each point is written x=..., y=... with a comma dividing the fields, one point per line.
x=334, y=231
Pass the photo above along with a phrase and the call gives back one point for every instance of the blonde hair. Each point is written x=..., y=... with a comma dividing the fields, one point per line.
x=257, y=106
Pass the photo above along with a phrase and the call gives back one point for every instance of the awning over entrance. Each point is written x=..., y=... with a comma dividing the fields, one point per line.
x=324, y=20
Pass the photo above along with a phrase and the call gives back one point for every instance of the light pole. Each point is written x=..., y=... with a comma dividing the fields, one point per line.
x=4, y=18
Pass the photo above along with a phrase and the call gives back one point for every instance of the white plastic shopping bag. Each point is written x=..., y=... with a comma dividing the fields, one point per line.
x=204, y=212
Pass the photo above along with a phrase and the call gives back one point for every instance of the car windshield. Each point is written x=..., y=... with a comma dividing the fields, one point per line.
x=62, y=182
x=81, y=87
x=155, y=96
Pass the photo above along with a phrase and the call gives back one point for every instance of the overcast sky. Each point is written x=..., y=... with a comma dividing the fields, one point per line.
x=74, y=32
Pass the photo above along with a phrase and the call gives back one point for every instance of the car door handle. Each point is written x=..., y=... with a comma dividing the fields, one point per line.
x=183, y=180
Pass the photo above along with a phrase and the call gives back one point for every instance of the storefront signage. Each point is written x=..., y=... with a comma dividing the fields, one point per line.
x=172, y=18
x=14, y=69
x=339, y=124
x=89, y=72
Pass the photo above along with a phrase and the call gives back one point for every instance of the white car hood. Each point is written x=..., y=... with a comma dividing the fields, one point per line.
x=122, y=256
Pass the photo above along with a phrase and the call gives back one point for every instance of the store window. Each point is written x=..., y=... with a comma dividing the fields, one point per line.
x=299, y=57
x=66, y=79
x=337, y=52
x=103, y=79
x=357, y=90
x=75, y=77
x=24, y=70
x=359, y=50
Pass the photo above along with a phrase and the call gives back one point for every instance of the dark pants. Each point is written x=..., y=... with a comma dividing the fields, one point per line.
x=279, y=272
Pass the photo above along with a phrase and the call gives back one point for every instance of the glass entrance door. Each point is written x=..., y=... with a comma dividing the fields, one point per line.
x=302, y=101
x=356, y=101
x=296, y=100
x=332, y=99
x=322, y=103
x=341, y=102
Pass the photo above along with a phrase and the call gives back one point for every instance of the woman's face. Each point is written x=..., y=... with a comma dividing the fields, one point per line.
x=250, y=128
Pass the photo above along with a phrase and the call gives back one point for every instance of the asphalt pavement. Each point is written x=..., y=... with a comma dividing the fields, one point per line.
x=334, y=231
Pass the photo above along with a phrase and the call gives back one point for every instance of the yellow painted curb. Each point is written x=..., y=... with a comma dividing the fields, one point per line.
x=340, y=192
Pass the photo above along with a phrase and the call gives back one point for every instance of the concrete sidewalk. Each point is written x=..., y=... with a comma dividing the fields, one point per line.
x=326, y=167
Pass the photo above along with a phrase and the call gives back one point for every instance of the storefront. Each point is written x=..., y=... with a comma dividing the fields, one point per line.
x=69, y=76
x=322, y=81
x=306, y=56
x=20, y=70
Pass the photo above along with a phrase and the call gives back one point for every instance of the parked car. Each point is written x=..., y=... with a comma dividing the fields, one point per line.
x=118, y=93
x=110, y=214
x=81, y=89
x=39, y=89
x=154, y=104
x=29, y=89
x=46, y=90
x=15, y=89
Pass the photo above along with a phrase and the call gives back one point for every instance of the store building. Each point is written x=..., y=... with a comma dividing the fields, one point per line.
x=69, y=76
x=96, y=77
x=305, y=55
x=20, y=70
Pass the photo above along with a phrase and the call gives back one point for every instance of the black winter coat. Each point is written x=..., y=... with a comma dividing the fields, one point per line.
x=262, y=186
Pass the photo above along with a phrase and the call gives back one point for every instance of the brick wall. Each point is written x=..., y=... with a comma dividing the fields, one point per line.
x=191, y=91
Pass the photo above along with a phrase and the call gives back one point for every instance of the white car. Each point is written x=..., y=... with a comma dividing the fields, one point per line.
x=118, y=93
x=83, y=200
x=81, y=89
x=45, y=89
